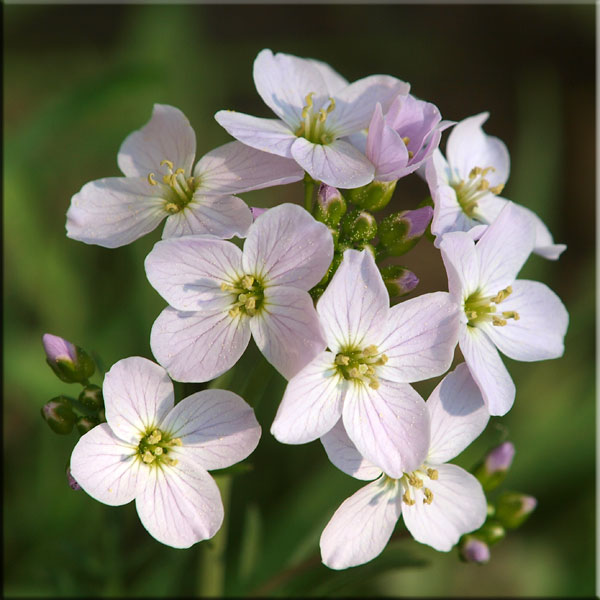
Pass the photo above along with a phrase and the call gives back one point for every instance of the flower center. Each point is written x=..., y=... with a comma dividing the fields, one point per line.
x=469, y=192
x=180, y=190
x=313, y=125
x=415, y=480
x=480, y=309
x=360, y=365
x=155, y=446
x=248, y=296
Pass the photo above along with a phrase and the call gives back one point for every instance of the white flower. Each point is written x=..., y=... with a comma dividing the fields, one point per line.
x=523, y=319
x=160, y=454
x=465, y=188
x=220, y=295
x=316, y=107
x=157, y=161
x=374, y=352
x=439, y=502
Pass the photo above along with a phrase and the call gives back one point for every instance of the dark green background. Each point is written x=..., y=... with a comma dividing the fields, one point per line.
x=78, y=79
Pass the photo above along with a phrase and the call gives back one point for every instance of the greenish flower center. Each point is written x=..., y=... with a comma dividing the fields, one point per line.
x=248, y=296
x=415, y=480
x=178, y=190
x=469, y=192
x=155, y=446
x=357, y=364
x=480, y=308
x=314, y=124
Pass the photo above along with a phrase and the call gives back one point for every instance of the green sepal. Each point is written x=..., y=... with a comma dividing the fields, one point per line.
x=393, y=235
x=514, y=508
x=91, y=397
x=398, y=280
x=372, y=197
x=59, y=415
x=85, y=423
x=428, y=201
x=358, y=226
x=330, y=207
x=489, y=481
x=491, y=532
x=78, y=371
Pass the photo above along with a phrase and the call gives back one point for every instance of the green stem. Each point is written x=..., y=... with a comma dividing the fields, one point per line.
x=309, y=186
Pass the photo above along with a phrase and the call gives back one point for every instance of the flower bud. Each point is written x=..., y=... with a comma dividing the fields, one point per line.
x=492, y=471
x=359, y=226
x=491, y=532
x=400, y=232
x=69, y=362
x=85, y=423
x=91, y=397
x=474, y=550
x=71, y=480
x=398, y=280
x=59, y=415
x=513, y=509
x=374, y=196
x=330, y=206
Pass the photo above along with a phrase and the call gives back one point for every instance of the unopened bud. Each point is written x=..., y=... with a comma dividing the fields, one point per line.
x=400, y=232
x=474, y=550
x=59, y=415
x=491, y=532
x=398, y=280
x=91, y=397
x=513, y=509
x=256, y=212
x=71, y=480
x=374, y=196
x=359, y=226
x=85, y=423
x=492, y=471
x=69, y=362
x=330, y=206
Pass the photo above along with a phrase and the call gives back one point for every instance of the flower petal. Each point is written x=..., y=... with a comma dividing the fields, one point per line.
x=355, y=304
x=137, y=395
x=115, y=211
x=462, y=265
x=333, y=80
x=198, y=346
x=362, y=526
x=448, y=216
x=216, y=427
x=457, y=414
x=106, y=467
x=168, y=135
x=311, y=404
x=539, y=333
x=234, y=168
x=180, y=504
x=458, y=507
x=287, y=329
x=344, y=455
x=389, y=425
x=287, y=246
x=338, y=163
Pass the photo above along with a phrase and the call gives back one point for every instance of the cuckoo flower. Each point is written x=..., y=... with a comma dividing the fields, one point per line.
x=220, y=295
x=160, y=454
x=374, y=352
x=465, y=187
x=439, y=501
x=523, y=319
x=159, y=182
x=316, y=108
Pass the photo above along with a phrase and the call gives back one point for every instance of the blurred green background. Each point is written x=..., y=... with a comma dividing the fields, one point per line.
x=78, y=79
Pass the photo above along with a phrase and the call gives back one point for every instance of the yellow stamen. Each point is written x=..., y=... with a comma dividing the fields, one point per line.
x=167, y=162
x=498, y=322
x=406, y=140
x=154, y=437
x=247, y=281
x=148, y=457
x=407, y=499
x=151, y=179
x=158, y=451
x=511, y=314
x=171, y=207
x=433, y=474
x=428, y=496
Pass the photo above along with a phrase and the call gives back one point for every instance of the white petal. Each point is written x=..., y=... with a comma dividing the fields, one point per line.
x=333, y=80
x=107, y=468
x=448, y=216
x=344, y=455
x=311, y=404
x=488, y=370
x=180, y=505
x=287, y=329
x=458, y=507
x=389, y=426
x=462, y=265
x=457, y=414
x=362, y=526
x=355, y=305
x=419, y=338
x=198, y=346
x=137, y=395
x=268, y=135
x=539, y=333
x=115, y=211
x=437, y=171
x=188, y=272
x=168, y=135
x=287, y=246
x=219, y=216
x=216, y=427
x=235, y=168
x=338, y=163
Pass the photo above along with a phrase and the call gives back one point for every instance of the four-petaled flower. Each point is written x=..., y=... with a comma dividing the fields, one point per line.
x=160, y=454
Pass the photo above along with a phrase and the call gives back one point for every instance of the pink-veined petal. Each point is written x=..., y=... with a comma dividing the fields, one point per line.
x=458, y=507
x=198, y=346
x=106, y=467
x=362, y=526
x=448, y=216
x=137, y=395
x=168, y=135
x=437, y=170
x=457, y=415
x=462, y=265
x=216, y=427
x=333, y=80
x=115, y=211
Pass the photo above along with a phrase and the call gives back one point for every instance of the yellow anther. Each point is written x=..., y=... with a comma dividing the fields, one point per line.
x=474, y=172
x=433, y=474
x=497, y=189
x=502, y=295
x=322, y=115
x=488, y=170
x=331, y=105
x=155, y=437
x=170, y=461
x=374, y=384
x=484, y=184
x=428, y=496
x=168, y=163
x=167, y=178
x=180, y=171
x=225, y=287
x=406, y=140
x=410, y=154
x=247, y=281
x=250, y=304
x=175, y=442
x=342, y=359
x=498, y=322
x=158, y=451
x=370, y=350
x=383, y=359
x=148, y=457
x=308, y=100
x=171, y=207
x=353, y=372
x=151, y=179
x=234, y=312
x=407, y=499
x=362, y=369
x=511, y=314
x=415, y=481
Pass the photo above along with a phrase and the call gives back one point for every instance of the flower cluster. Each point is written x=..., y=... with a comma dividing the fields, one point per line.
x=308, y=284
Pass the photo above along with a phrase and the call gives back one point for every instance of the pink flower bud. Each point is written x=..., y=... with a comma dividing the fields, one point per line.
x=475, y=551
x=57, y=348
x=500, y=458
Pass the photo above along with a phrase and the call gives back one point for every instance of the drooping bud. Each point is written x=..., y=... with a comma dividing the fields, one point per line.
x=400, y=232
x=374, y=196
x=91, y=397
x=69, y=362
x=257, y=211
x=513, y=509
x=359, y=226
x=492, y=471
x=474, y=550
x=71, y=480
x=398, y=280
x=330, y=206
x=491, y=532
x=85, y=423
x=59, y=415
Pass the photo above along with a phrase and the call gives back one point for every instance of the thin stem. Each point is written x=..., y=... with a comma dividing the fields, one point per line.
x=309, y=186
